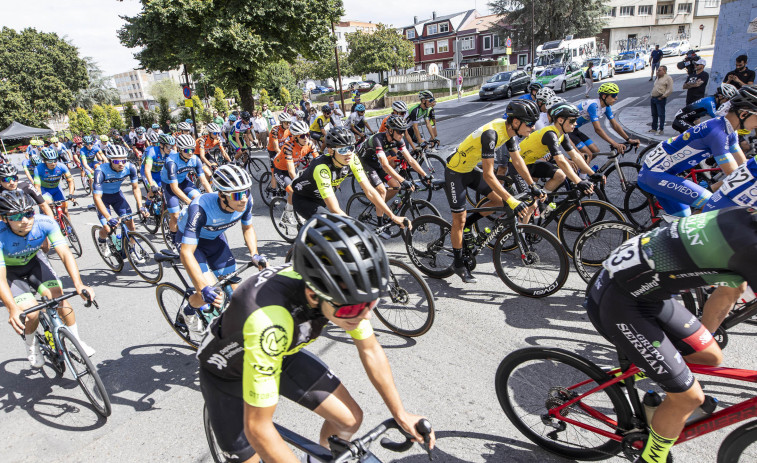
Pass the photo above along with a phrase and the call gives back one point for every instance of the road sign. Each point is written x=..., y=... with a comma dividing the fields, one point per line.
x=188, y=103
x=508, y=42
x=701, y=27
x=187, y=91
x=509, y=51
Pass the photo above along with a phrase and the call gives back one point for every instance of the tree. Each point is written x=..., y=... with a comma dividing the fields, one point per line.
x=277, y=75
x=43, y=70
x=73, y=123
x=200, y=112
x=230, y=41
x=147, y=117
x=264, y=98
x=285, y=96
x=114, y=118
x=551, y=21
x=165, y=112
x=129, y=111
x=84, y=123
x=167, y=89
x=100, y=89
x=100, y=119
x=219, y=101
x=380, y=51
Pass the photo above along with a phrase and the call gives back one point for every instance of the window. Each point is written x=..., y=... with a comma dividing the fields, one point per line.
x=410, y=34
x=443, y=27
x=495, y=39
x=611, y=11
x=684, y=8
x=442, y=46
x=681, y=30
x=645, y=10
x=487, y=42
x=522, y=60
x=428, y=48
x=711, y=3
x=467, y=43
x=664, y=10
x=627, y=10
x=431, y=29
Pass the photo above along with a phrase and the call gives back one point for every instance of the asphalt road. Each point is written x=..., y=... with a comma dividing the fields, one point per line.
x=447, y=374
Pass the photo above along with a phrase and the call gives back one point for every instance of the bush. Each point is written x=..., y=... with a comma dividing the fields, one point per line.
x=114, y=118
x=285, y=96
x=83, y=122
x=264, y=98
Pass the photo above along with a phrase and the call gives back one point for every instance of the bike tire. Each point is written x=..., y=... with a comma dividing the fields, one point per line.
x=615, y=188
x=266, y=193
x=596, y=243
x=421, y=190
x=551, y=256
x=735, y=444
x=151, y=224
x=276, y=210
x=171, y=299
x=643, y=153
x=524, y=394
x=165, y=232
x=361, y=209
x=85, y=185
x=73, y=239
x=408, y=308
x=256, y=167
x=151, y=271
x=412, y=210
x=82, y=367
x=577, y=217
x=640, y=208
x=115, y=262
x=429, y=246
x=216, y=453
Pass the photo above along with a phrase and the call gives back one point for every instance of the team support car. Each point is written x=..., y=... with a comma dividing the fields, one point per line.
x=630, y=61
x=676, y=48
x=504, y=84
x=561, y=78
x=603, y=67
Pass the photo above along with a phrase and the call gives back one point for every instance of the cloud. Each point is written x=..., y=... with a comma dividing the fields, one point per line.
x=400, y=13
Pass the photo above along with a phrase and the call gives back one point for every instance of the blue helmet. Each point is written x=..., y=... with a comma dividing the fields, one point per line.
x=49, y=154
x=188, y=121
x=155, y=126
x=360, y=107
x=232, y=118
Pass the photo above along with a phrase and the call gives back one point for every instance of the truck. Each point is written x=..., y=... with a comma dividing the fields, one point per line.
x=562, y=52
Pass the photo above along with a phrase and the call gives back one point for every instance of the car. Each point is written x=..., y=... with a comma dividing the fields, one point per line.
x=364, y=86
x=372, y=82
x=676, y=48
x=320, y=89
x=603, y=67
x=630, y=61
x=329, y=88
x=504, y=84
x=561, y=77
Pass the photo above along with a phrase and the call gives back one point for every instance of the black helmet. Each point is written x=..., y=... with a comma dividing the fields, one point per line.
x=523, y=110
x=425, y=95
x=246, y=115
x=341, y=260
x=340, y=136
x=7, y=170
x=15, y=201
x=745, y=99
x=534, y=86
x=326, y=108
x=563, y=110
x=396, y=122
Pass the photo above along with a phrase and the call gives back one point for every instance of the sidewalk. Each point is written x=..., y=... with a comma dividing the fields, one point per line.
x=637, y=120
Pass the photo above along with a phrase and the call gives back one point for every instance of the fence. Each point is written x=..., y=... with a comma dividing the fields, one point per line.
x=470, y=72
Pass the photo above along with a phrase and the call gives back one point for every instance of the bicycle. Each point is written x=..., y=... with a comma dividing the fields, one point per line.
x=742, y=311
x=63, y=350
x=254, y=166
x=597, y=242
x=268, y=193
x=130, y=245
x=172, y=299
x=66, y=227
x=557, y=397
x=155, y=211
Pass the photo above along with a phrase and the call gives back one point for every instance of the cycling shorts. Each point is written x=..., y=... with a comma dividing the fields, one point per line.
x=34, y=277
x=53, y=194
x=212, y=255
x=306, y=207
x=675, y=194
x=116, y=201
x=282, y=177
x=651, y=334
x=233, y=143
x=92, y=165
x=173, y=203
x=316, y=135
x=542, y=169
x=719, y=201
x=456, y=183
x=681, y=125
x=580, y=139
x=376, y=174
x=304, y=379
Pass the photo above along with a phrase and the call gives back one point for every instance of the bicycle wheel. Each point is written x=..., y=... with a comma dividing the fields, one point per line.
x=643, y=153
x=165, y=232
x=429, y=246
x=288, y=231
x=615, y=188
x=361, y=209
x=735, y=446
x=114, y=261
x=531, y=381
x=266, y=192
x=539, y=269
x=412, y=210
x=84, y=372
x=73, y=239
x=578, y=216
x=85, y=185
x=171, y=300
x=596, y=243
x=215, y=451
x=256, y=167
x=149, y=269
x=433, y=165
x=408, y=307
x=640, y=207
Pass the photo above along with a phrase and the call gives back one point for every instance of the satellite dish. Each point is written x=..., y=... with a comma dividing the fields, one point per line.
x=433, y=69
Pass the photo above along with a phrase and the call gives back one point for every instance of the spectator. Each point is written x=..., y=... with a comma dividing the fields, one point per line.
x=268, y=115
x=218, y=118
x=336, y=112
x=655, y=58
x=459, y=85
x=312, y=115
x=304, y=100
x=260, y=125
x=661, y=90
x=741, y=75
x=696, y=84
x=132, y=135
x=589, y=78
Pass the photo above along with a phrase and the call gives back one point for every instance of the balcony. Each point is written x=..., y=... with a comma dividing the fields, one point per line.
x=673, y=18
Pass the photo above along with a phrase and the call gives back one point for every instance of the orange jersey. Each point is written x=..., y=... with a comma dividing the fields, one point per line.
x=383, y=124
x=206, y=142
x=278, y=134
x=291, y=151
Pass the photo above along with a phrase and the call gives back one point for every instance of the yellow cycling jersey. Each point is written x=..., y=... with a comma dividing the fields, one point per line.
x=541, y=144
x=319, y=124
x=480, y=145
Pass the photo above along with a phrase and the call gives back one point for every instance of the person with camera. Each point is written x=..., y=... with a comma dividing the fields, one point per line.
x=696, y=84
x=740, y=76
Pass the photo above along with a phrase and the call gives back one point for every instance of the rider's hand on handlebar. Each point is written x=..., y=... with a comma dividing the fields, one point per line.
x=212, y=295
x=260, y=261
x=15, y=320
x=403, y=222
x=113, y=222
x=408, y=185
x=537, y=192
x=585, y=186
x=408, y=421
x=90, y=293
x=619, y=147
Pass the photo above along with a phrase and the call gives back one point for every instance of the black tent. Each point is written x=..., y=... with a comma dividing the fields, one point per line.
x=17, y=130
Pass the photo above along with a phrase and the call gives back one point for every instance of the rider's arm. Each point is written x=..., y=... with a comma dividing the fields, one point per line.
x=417, y=132
x=173, y=180
x=43, y=206
x=289, y=158
x=203, y=178
x=148, y=172
x=97, y=194
x=616, y=127
x=487, y=164
x=70, y=180
x=7, y=296
x=263, y=436
x=248, y=231
x=411, y=161
x=134, y=177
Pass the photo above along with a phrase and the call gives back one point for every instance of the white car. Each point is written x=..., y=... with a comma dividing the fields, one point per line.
x=676, y=48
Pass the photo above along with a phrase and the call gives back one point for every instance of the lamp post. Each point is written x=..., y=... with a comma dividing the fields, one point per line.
x=338, y=71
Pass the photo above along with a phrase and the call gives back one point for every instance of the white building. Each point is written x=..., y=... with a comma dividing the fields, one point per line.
x=342, y=28
x=133, y=86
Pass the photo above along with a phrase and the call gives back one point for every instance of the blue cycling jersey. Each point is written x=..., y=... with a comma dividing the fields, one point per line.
x=242, y=126
x=153, y=154
x=204, y=218
x=738, y=189
x=50, y=178
x=697, y=109
x=527, y=96
x=108, y=181
x=591, y=111
x=176, y=169
x=88, y=155
x=19, y=250
x=27, y=164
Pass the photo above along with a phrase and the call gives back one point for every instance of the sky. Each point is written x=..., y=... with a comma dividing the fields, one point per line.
x=91, y=25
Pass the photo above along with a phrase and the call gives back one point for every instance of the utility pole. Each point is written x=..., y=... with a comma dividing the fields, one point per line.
x=191, y=108
x=338, y=71
x=533, y=48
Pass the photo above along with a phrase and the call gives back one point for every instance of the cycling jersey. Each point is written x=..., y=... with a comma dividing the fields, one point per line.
x=267, y=320
x=383, y=124
x=60, y=149
x=242, y=126
x=417, y=114
x=89, y=155
x=320, y=123
x=155, y=159
x=140, y=142
x=697, y=109
x=527, y=96
x=357, y=121
x=278, y=135
x=204, y=218
x=50, y=178
x=176, y=169
x=322, y=177
x=293, y=151
x=18, y=250
x=108, y=181
x=375, y=148
x=738, y=189
x=481, y=145
x=591, y=111
x=543, y=144
x=207, y=142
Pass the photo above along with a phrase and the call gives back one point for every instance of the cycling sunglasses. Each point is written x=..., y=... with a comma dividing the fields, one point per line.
x=118, y=162
x=572, y=120
x=20, y=216
x=353, y=310
x=215, y=133
x=300, y=137
x=530, y=124
x=345, y=149
x=187, y=150
x=237, y=195
x=10, y=178
x=401, y=113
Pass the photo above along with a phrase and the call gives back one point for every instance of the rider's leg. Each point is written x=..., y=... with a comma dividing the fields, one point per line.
x=555, y=182
x=719, y=304
x=342, y=415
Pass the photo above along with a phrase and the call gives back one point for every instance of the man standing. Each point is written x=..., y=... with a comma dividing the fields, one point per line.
x=654, y=60
x=696, y=84
x=336, y=113
x=661, y=90
x=304, y=100
x=741, y=75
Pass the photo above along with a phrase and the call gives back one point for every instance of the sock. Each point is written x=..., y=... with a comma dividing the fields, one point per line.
x=471, y=219
x=458, y=256
x=657, y=448
x=29, y=339
x=74, y=330
x=289, y=208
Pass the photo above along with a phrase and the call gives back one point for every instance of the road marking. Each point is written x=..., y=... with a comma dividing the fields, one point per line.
x=485, y=110
x=625, y=102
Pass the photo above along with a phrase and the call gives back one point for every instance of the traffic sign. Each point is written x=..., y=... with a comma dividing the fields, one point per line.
x=509, y=51
x=508, y=42
x=701, y=27
x=187, y=91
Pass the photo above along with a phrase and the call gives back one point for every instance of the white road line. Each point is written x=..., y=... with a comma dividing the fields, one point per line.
x=485, y=110
x=625, y=102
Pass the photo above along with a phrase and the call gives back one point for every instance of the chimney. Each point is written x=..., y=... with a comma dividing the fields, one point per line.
x=415, y=19
x=433, y=15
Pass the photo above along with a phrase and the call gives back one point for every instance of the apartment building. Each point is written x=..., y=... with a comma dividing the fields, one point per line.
x=342, y=28
x=480, y=41
x=134, y=86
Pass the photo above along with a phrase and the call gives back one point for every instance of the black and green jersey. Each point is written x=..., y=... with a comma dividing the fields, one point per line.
x=713, y=248
x=322, y=177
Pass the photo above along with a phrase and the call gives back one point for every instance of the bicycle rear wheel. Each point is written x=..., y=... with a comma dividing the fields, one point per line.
x=256, y=167
x=596, y=243
x=215, y=451
x=288, y=231
x=150, y=270
x=640, y=207
x=171, y=300
x=577, y=217
x=408, y=308
x=615, y=188
x=85, y=185
x=531, y=381
x=73, y=239
x=736, y=446
x=84, y=372
x=152, y=222
x=429, y=246
x=165, y=232
x=114, y=261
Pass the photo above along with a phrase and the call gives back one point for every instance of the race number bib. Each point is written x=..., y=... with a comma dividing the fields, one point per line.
x=655, y=156
x=628, y=255
x=739, y=177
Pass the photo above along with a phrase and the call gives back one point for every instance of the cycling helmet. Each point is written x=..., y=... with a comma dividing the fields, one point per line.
x=152, y=137
x=232, y=118
x=299, y=128
x=608, y=88
x=728, y=91
x=166, y=139
x=543, y=95
x=534, y=86
x=326, y=109
x=230, y=178
x=300, y=114
x=116, y=152
x=88, y=140
x=360, y=107
x=104, y=138
x=15, y=201
x=6, y=170
x=35, y=159
x=173, y=127
x=213, y=128
x=523, y=110
x=141, y=130
x=155, y=126
x=49, y=154
x=396, y=122
x=425, y=95
x=399, y=106
x=188, y=121
x=55, y=139
x=185, y=141
x=340, y=136
x=185, y=126
x=745, y=99
x=554, y=101
x=284, y=117
x=246, y=116
x=114, y=133
x=563, y=110
x=341, y=260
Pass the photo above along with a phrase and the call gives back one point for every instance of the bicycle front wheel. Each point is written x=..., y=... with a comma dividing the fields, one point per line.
x=171, y=301
x=73, y=239
x=84, y=372
x=619, y=181
x=141, y=254
x=532, y=381
x=596, y=243
x=165, y=232
x=215, y=450
x=114, y=260
x=408, y=307
x=286, y=227
x=531, y=262
x=578, y=216
x=266, y=192
x=256, y=167
x=429, y=246
x=640, y=207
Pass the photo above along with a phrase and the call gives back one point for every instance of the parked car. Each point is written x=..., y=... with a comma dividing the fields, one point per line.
x=504, y=84
x=364, y=86
x=320, y=89
x=372, y=82
x=603, y=67
x=676, y=48
x=330, y=88
x=560, y=78
x=630, y=61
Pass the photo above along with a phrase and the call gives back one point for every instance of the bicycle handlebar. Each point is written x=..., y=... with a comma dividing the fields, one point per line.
x=614, y=153
x=52, y=302
x=359, y=447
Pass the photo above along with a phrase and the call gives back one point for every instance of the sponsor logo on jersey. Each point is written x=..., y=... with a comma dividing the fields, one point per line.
x=686, y=135
x=274, y=340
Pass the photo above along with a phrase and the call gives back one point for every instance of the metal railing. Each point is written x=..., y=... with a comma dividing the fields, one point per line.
x=482, y=71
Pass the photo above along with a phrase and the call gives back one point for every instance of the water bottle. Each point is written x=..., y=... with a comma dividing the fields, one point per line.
x=117, y=239
x=651, y=401
x=49, y=338
x=595, y=168
x=703, y=411
x=468, y=241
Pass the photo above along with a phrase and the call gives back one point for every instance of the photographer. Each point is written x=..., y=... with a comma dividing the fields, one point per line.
x=696, y=84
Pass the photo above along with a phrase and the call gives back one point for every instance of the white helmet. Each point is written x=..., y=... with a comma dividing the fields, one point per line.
x=185, y=126
x=116, y=152
x=399, y=106
x=284, y=117
x=299, y=128
x=212, y=128
x=727, y=90
x=185, y=141
x=542, y=96
x=230, y=178
x=553, y=101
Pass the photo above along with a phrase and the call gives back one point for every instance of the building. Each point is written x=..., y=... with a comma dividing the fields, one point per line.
x=652, y=22
x=479, y=41
x=342, y=28
x=134, y=85
x=735, y=36
x=434, y=39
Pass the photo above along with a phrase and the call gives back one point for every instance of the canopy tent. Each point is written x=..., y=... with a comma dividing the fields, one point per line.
x=17, y=130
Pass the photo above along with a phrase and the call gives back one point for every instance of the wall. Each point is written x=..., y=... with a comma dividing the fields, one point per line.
x=732, y=39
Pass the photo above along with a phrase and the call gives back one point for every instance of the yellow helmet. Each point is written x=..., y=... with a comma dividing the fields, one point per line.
x=54, y=140
x=104, y=138
x=608, y=87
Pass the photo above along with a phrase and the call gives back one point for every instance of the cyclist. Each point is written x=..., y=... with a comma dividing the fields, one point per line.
x=242, y=126
x=357, y=124
x=320, y=124
x=631, y=304
x=314, y=188
x=24, y=271
x=33, y=147
x=9, y=182
x=278, y=135
x=203, y=248
x=102, y=142
x=592, y=111
x=207, y=143
x=228, y=129
x=687, y=116
x=30, y=164
x=107, y=194
x=185, y=128
x=297, y=151
x=140, y=142
x=47, y=178
x=252, y=352
x=174, y=178
x=543, y=98
x=419, y=113
x=533, y=89
x=155, y=128
x=61, y=149
x=461, y=172
x=399, y=108
x=155, y=159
